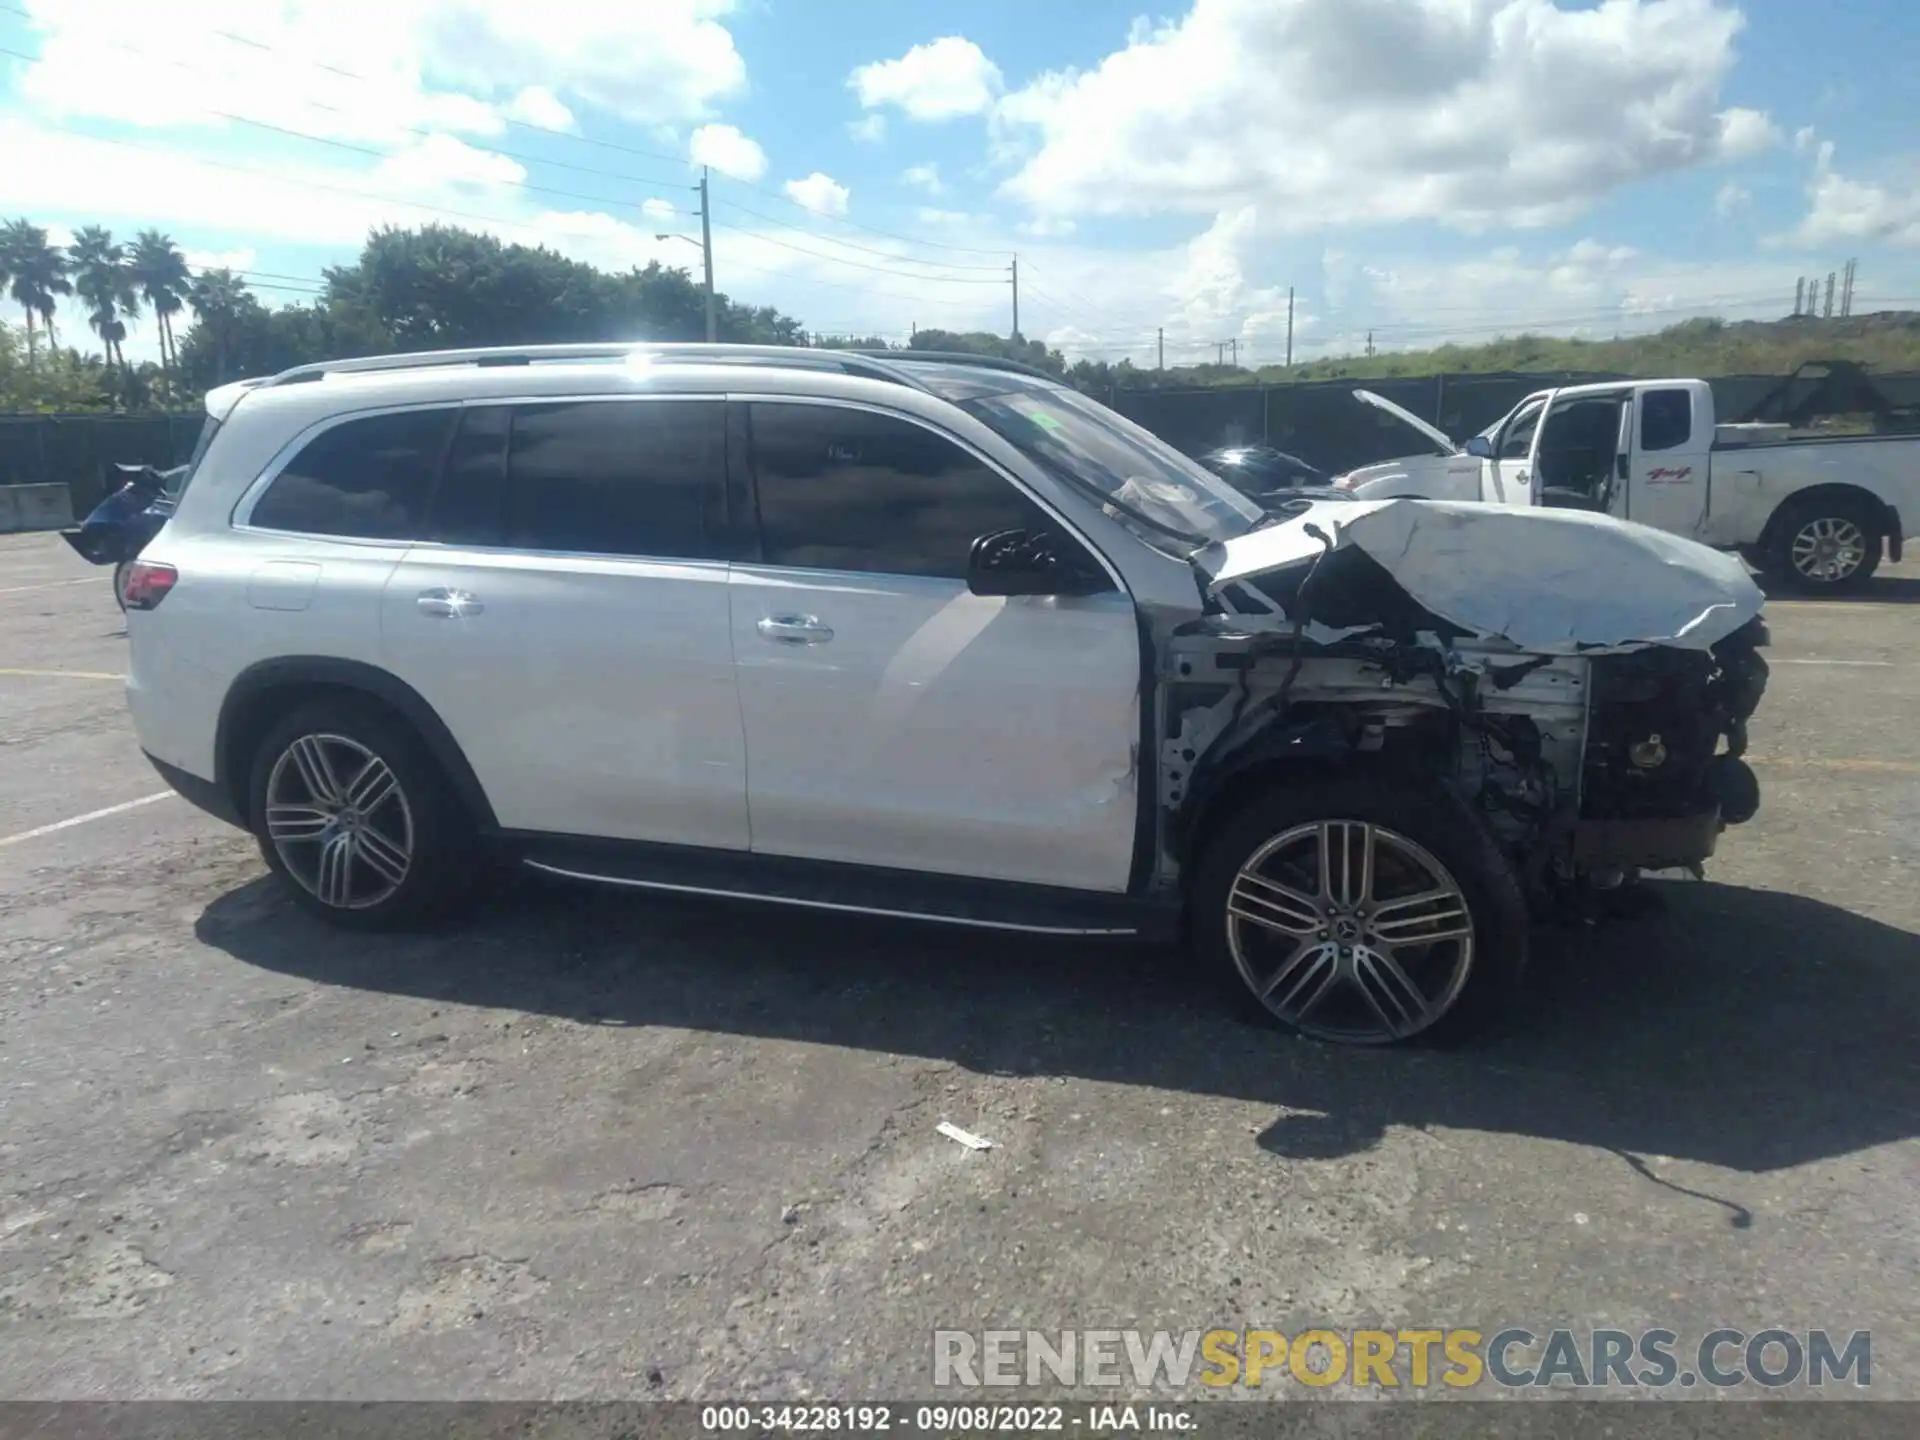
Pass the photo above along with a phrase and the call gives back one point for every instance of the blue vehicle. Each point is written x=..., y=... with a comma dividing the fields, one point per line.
x=121, y=525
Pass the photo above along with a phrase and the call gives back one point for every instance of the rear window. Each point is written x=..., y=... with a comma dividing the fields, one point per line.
x=177, y=478
x=366, y=479
x=1666, y=419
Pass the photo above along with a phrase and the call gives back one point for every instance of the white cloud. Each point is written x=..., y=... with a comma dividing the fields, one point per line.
x=1803, y=139
x=1332, y=112
x=924, y=177
x=537, y=105
x=869, y=129
x=933, y=215
x=443, y=160
x=1730, y=199
x=657, y=209
x=820, y=193
x=728, y=151
x=1047, y=227
x=242, y=259
x=1745, y=133
x=359, y=69
x=1841, y=209
x=940, y=80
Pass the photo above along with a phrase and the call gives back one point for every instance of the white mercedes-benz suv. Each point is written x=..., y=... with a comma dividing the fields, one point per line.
x=922, y=636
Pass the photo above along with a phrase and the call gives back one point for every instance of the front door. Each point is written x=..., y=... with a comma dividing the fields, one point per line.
x=568, y=620
x=1507, y=479
x=893, y=718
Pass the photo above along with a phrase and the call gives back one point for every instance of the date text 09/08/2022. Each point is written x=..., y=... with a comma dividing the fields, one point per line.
x=944, y=1419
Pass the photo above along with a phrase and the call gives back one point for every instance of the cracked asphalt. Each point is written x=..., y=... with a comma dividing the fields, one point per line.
x=589, y=1145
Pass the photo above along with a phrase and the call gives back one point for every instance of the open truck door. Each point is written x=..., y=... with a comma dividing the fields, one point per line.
x=1665, y=485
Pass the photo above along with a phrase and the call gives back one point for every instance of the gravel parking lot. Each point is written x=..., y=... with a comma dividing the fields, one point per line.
x=594, y=1145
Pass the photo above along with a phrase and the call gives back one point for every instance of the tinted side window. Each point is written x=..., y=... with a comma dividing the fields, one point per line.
x=1518, y=440
x=468, y=508
x=365, y=478
x=621, y=477
x=1666, y=419
x=850, y=490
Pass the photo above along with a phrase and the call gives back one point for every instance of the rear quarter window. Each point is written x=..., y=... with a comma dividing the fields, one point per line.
x=363, y=479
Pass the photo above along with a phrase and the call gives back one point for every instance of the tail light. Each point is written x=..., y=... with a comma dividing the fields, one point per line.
x=146, y=584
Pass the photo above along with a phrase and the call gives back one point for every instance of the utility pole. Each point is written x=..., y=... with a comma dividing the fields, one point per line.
x=1828, y=315
x=1846, y=290
x=1234, y=346
x=706, y=252
x=1289, y=327
x=1369, y=344
x=1016, y=299
x=1219, y=352
x=1799, y=293
x=1160, y=339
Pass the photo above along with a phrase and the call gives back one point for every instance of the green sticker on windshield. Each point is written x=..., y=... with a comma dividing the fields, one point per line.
x=1044, y=420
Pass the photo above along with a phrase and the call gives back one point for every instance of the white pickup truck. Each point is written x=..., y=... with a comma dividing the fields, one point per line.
x=1812, y=512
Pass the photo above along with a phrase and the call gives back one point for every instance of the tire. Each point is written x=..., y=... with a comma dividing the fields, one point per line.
x=1463, y=953
x=1842, y=534
x=119, y=584
x=407, y=857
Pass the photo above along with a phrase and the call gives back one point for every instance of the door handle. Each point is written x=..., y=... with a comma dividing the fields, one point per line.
x=444, y=604
x=794, y=630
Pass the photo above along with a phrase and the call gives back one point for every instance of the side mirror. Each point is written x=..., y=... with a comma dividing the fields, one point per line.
x=1480, y=448
x=1030, y=562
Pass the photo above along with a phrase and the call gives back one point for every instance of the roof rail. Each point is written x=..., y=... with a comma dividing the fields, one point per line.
x=964, y=357
x=794, y=356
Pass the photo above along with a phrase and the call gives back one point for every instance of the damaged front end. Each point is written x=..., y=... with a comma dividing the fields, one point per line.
x=1582, y=685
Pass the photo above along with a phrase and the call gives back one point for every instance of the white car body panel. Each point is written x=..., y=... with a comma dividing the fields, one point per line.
x=591, y=694
x=924, y=727
x=1551, y=582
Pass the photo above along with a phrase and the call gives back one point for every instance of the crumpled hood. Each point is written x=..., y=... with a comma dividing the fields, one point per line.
x=1549, y=581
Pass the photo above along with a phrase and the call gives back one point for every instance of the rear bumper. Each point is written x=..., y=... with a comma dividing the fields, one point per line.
x=203, y=794
x=1651, y=844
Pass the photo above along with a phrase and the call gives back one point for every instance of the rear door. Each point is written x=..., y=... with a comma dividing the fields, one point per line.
x=894, y=718
x=566, y=616
x=1667, y=472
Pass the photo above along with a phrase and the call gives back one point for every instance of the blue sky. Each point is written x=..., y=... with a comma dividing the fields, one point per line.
x=1417, y=170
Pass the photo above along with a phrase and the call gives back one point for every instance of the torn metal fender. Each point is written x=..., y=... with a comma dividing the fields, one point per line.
x=1548, y=581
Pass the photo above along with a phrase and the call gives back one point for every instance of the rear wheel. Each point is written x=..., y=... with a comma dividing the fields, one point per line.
x=1362, y=914
x=353, y=814
x=120, y=583
x=1825, y=544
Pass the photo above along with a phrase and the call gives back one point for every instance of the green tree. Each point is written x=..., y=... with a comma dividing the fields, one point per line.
x=105, y=285
x=36, y=272
x=983, y=342
x=220, y=300
x=160, y=270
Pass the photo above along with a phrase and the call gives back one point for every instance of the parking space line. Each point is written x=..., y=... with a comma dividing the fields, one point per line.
x=1896, y=767
x=66, y=674
x=68, y=824
x=1782, y=660
x=48, y=585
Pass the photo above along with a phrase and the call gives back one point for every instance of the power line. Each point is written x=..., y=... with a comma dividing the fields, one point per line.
x=851, y=245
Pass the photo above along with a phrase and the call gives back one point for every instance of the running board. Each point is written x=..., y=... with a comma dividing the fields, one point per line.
x=851, y=889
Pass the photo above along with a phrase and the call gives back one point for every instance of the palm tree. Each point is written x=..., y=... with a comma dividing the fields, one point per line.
x=36, y=272
x=217, y=297
x=102, y=279
x=160, y=270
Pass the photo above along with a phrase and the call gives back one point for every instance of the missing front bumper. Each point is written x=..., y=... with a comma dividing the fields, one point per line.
x=1658, y=844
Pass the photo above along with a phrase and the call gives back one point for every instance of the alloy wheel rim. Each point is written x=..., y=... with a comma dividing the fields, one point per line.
x=1829, y=549
x=339, y=821
x=1350, y=932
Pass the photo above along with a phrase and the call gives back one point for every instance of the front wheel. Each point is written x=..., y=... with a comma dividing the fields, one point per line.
x=1362, y=914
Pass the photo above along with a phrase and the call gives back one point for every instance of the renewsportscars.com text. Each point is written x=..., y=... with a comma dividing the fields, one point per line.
x=1514, y=1358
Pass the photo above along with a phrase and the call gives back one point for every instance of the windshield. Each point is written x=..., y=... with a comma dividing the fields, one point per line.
x=1138, y=477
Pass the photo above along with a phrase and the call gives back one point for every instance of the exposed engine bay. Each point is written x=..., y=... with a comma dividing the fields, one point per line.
x=1587, y=763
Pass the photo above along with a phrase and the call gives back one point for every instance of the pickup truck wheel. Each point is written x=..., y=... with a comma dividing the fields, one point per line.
x=1360, y=913
x=1825, y=545
x=352, y=813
